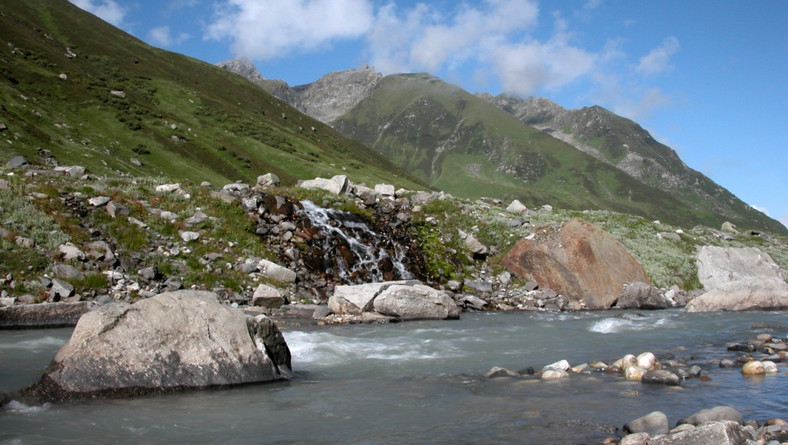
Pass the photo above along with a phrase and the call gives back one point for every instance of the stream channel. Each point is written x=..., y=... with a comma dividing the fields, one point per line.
x=422, y=382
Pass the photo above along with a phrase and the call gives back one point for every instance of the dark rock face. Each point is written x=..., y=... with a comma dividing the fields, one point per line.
x=175, y=340
x=642, y=296
x=578, y=260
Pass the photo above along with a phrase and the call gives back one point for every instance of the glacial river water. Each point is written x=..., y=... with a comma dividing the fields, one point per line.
x=421, y=383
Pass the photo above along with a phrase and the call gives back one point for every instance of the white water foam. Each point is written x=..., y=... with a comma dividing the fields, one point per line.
x=35, y=344
x=629, y=324
x=16, y=407
x=327, y=349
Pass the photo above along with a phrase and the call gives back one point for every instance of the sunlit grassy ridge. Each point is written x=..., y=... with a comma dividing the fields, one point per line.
x=95, y=96
x=469, y=147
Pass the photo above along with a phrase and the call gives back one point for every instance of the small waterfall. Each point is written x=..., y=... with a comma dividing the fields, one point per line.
x=354, y=252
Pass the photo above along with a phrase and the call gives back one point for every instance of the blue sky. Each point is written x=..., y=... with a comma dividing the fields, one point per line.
x=709, y=79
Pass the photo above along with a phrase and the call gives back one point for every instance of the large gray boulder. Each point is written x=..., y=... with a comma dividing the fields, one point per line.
x=175, y=340
x=273, y=271
x=336, y=185
x=718, y=266
x=356, y=299
x=415, y=302
x=737, y=279
x=653, y=423
x=402, y=300
x=713, y=433
x=715, y=414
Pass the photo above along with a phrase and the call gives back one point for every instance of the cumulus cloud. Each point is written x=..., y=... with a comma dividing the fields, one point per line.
x=162, y=36
x=525, y=68
x=108, y=10
x=496, y=33
x=784, y=219
x=658, y=60
x=493, y=40
x=264, y=29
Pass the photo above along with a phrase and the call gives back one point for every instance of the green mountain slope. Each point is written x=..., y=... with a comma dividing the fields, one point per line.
x=459, y=143
x=626, y=145
x=95, y=96
x=421, y=123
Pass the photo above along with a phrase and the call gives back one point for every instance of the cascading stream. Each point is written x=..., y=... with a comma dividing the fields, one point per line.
x=359, y=254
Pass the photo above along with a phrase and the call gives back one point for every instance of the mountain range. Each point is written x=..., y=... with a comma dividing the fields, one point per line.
x=77, y=90
x=534, y=150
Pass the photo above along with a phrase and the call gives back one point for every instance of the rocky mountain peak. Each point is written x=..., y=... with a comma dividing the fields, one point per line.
x=243, y=67
x=336, y=93
x=533, y=110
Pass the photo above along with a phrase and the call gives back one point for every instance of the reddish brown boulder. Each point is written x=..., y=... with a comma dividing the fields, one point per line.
x=578, y=260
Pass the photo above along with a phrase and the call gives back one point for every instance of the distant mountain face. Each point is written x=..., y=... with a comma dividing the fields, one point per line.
x=337, y=93
x=89, y=94
x=531, y=149
x=626, y=145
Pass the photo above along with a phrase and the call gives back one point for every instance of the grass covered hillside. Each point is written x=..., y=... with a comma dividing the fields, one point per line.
x=460, y=143
x=92, y=95
x=624, y=144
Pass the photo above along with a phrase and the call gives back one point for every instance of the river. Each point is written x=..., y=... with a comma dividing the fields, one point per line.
x=422, y=382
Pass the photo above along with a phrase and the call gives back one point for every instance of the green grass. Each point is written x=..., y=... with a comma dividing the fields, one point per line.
x=667, y=262
x=227, y=128
x=436, y=130
x=230, y=233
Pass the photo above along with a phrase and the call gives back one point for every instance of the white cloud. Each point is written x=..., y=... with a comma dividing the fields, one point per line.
x=527, y=67
x=784, y=219
x=488, y=42
x=495, y=34
x=763, y=210
x=592, y=4
x=108, y=10
x=658, y=60
x=263, y=29
x=162, y=36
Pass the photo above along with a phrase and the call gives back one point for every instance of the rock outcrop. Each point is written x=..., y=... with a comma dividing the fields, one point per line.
x=401, y=300
x=175, y=340
x=576, y=259
x=738, y=279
